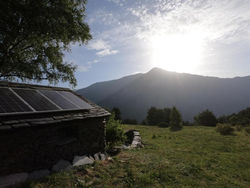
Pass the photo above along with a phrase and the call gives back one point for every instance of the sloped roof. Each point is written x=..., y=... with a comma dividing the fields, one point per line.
x=33, y=115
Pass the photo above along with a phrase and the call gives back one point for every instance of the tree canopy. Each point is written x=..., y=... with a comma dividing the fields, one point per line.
x=175, y=119
x=240, y=118
x=34, y=34
x=156, y=116
x=206, y=118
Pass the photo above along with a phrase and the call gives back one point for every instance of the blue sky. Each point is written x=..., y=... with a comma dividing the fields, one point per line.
x=205, y=37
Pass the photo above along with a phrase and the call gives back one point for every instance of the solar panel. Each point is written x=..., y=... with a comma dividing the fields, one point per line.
x=75, y=99
x=9, y=102
x=36, y=100
x=58, y=99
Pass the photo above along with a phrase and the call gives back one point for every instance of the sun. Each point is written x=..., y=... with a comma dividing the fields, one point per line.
x=176, y=52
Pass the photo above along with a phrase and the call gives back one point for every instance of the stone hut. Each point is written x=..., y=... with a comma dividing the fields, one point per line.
x=40, y=125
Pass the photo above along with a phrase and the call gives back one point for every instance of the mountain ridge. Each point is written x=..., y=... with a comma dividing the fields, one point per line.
x=190, y=93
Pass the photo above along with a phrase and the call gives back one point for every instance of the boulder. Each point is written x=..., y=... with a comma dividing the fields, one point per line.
x=82, y=160
x=102, y=156
x=92, y=158
x=136, y=133
x=96, y=156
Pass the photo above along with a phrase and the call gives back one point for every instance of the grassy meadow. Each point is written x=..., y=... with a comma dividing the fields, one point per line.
x=192, y=157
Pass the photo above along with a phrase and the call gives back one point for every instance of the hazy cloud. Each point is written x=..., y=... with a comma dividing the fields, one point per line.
x=216, y=20
x=87, y=66
x=106, y=52
x=103, y=48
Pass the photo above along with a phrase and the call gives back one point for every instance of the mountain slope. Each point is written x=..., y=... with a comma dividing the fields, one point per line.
x=189, y=93
x=101, y=90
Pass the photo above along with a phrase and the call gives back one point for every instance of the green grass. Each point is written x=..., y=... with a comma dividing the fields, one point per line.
x=192, y=157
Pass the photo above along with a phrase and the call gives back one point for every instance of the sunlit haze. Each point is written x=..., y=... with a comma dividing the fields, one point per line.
x=179, y=53
x=207, y=37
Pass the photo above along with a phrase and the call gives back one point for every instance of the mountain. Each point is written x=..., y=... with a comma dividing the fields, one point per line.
x=191, y=94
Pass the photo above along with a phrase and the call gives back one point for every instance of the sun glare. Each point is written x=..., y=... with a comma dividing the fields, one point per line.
x=178, y=52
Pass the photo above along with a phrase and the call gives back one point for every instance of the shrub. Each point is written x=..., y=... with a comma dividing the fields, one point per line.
x=163, y=124
x=175, y=120
x=247, y=129
x=114, y=132
x=156, y=115
x=224, y=129
x=206, y=118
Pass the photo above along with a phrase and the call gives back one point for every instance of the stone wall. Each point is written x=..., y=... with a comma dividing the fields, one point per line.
x=34, y=148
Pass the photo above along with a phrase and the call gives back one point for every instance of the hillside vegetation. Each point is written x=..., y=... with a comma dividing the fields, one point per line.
x=193, y=157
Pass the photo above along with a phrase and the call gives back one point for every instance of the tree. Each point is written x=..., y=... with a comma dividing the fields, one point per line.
x=167, y=112
x=156, y=116
x=152, y=118
x=34, y=34
x=206, y=118
x=117, y=113
x=175, y=119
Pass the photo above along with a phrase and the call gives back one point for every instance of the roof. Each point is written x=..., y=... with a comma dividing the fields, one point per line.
x=27, y=105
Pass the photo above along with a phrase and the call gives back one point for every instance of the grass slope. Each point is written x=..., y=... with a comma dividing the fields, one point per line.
x=192, y=157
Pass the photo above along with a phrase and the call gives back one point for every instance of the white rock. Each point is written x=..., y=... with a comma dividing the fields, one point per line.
x=137, y=138
x=61, y=165
x=102, y=156
x=136, y=133
x=82, y=160
x=92, y=158
x=96, y=156
x=13, y=179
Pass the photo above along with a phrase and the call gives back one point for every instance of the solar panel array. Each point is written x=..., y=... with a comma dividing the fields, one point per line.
x=18, y=100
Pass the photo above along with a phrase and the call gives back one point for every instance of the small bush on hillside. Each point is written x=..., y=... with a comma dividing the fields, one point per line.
x=175, y=120
x=163, y=124
x=114, y=132
x=247, y=129
x=224, y=129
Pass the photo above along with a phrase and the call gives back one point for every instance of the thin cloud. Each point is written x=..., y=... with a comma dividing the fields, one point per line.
x=86, y=67
x=103, y=48
x=106, y=52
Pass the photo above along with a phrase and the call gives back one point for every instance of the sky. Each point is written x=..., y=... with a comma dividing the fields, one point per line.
x=205, y=37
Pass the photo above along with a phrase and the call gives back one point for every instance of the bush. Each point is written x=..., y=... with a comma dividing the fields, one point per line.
x=247, y=129
x=156, y=115
x=224, y=129
x=175, y=120
x=206, y=118
x=114, y=132
x=163, y=124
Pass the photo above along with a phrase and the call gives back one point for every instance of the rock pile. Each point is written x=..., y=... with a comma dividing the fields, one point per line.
x=61, y=165
x=134, y=139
